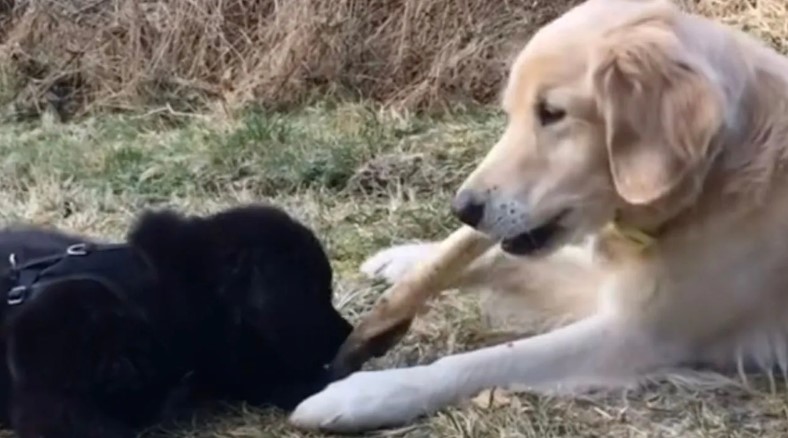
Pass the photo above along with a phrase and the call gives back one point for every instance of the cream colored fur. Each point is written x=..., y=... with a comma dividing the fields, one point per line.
x=675, y=125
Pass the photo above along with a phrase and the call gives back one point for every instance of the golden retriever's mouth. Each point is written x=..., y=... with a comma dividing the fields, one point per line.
x=535, y=239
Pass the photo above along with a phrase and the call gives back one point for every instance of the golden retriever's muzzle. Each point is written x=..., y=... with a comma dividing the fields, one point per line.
x=470, y=208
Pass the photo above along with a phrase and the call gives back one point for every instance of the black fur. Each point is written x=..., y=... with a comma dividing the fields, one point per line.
x=235, y=306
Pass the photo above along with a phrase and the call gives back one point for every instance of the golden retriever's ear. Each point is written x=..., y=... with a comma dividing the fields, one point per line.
x=660, y=112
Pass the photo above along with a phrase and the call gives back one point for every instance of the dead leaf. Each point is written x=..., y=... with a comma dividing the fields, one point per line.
x=492, y=398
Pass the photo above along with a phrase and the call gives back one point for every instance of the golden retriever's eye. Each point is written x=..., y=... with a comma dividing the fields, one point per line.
x=547, y=114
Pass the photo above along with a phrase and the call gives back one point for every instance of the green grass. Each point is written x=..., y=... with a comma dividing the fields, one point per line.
x=347, y=169
x=364, y=179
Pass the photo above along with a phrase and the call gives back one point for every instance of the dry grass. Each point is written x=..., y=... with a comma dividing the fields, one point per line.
x=75, y=56
x=79, y=55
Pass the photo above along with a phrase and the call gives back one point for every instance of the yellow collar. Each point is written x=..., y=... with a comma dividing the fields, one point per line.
x=639, y=238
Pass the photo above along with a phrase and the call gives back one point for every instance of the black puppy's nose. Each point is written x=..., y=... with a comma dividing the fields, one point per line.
x=467, y=208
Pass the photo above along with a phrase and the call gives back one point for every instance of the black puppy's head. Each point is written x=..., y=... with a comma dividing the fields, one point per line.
x=267, y=269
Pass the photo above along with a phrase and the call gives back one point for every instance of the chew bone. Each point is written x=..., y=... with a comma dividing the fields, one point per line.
x=393, y=313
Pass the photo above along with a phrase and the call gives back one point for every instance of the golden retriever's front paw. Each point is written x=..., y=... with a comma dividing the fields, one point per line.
x=369, y=400
x=391, y=264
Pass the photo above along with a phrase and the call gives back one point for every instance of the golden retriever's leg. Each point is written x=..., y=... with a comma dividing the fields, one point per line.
x=532, y=295
x=600, y=350
x=390, y=319
x=393, y=264
x=522, y=294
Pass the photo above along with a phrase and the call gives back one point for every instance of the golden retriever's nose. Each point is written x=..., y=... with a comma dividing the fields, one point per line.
x=467, y=207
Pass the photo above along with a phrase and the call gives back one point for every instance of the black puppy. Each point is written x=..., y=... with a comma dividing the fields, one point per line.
x=104, y=339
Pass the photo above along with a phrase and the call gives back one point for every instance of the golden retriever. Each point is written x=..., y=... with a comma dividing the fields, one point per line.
x=637, y=201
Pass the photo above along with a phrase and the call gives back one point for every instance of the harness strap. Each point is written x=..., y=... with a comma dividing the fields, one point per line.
x=27, y=276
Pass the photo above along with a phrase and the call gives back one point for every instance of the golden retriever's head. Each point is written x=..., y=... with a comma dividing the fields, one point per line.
x=607, y=109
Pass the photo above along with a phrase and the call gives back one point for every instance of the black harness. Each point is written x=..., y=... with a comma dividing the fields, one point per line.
x=121, y=268
x=118, y=266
